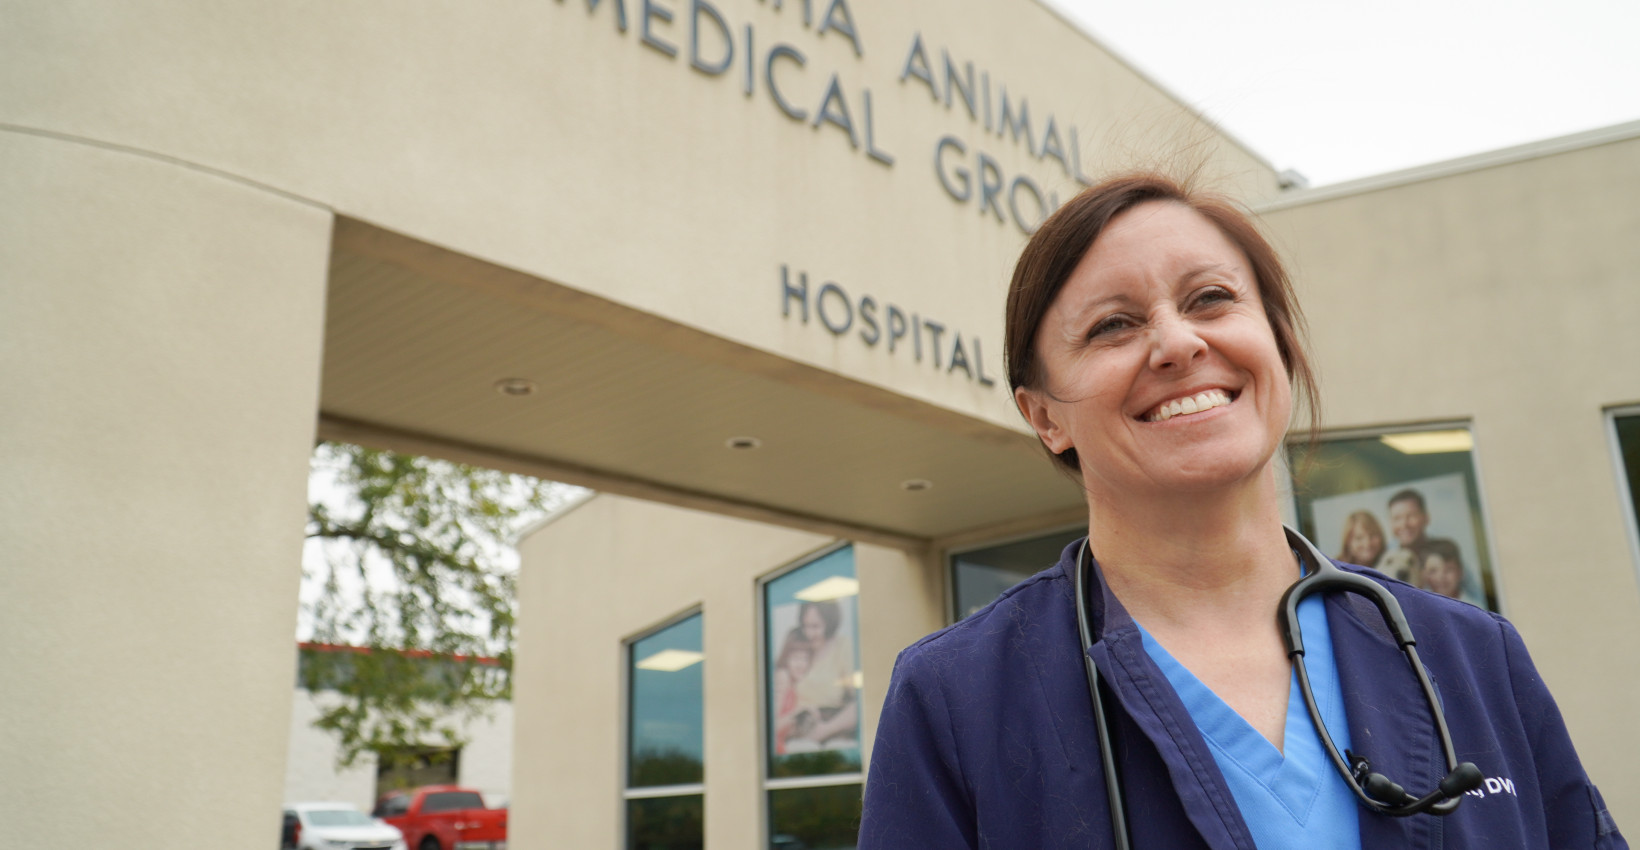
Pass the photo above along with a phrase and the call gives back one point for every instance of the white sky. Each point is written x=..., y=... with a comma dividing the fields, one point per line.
x=1340, y=91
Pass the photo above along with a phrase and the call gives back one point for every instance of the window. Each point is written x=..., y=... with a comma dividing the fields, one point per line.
x=392, y=806
x=1626, y=443
x=451, y=801
x=1404, y=502
x=398, y=768
x=812, y=703
x=981, y=575
x=665, y=771
x=339, y=817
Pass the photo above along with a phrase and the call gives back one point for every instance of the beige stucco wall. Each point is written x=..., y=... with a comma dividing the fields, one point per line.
x=1507, y=297
x=540, y=136
x=159, y=330
x=660, y=561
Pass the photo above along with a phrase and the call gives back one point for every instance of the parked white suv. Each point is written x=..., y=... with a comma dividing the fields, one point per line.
x=335, y=826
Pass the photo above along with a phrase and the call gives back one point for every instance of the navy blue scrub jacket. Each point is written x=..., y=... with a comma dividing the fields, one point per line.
x=987, y=739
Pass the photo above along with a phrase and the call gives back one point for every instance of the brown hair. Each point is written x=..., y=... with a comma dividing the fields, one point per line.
x=1065, y=238
x=830, y=613
x=795, y=643
x=1446, y=550
x=1361, y=519
x=1410, y=495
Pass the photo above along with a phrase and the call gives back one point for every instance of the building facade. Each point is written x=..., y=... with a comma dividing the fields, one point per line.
x=736, y=264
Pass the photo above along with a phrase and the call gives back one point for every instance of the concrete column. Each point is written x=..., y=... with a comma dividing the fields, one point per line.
x=902, y=598
x=160, y=335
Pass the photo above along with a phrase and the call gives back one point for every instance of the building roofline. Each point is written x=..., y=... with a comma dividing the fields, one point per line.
x=1151, y=81
x=570, y=504
x=1452, y=167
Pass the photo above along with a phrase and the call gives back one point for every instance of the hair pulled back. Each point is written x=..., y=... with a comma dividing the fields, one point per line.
x=1059, y=245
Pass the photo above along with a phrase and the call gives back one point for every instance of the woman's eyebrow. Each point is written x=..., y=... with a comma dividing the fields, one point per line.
x=1205, y=268
x=1097, y=306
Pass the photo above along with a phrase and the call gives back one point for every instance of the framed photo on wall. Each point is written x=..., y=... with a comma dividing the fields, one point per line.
x=813, y=668
x=1405, y=503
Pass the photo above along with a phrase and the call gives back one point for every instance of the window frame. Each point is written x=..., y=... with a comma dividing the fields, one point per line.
x=760, y=615
x=392, y=804
x=627, y=792
x=1301, y=439
x=1631, y=508
x=949, y=556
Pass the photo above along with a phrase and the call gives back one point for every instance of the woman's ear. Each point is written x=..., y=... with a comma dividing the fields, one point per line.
x=1040, y=411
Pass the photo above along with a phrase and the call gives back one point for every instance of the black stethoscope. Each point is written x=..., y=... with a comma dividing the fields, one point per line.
x=1374, y=790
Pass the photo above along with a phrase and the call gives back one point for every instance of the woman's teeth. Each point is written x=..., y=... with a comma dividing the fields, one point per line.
x=1205, y=400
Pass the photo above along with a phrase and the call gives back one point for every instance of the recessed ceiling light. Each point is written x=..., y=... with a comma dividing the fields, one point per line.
x=836, y=587
x=916, y=484
x=515, y=386
x=1430, y=442
x=671, y=660
x=743, y=443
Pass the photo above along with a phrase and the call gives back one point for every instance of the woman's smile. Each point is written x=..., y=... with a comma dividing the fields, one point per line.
x=1190, y=405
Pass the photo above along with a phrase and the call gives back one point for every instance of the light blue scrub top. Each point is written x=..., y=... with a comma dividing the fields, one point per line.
x=1298, y=801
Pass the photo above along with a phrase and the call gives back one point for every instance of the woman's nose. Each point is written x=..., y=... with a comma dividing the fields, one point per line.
x=1174, y=343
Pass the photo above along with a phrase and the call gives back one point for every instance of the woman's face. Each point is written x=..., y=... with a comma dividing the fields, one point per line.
x=1365, y=546
x=814, y=626
x=1161, y=368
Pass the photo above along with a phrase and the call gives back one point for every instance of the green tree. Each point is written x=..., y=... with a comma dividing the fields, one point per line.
x=411, y=561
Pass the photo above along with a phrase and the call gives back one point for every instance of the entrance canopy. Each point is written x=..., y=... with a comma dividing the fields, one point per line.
x=430, y=351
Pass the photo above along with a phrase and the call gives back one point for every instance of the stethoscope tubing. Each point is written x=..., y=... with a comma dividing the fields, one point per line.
x=1107, y=756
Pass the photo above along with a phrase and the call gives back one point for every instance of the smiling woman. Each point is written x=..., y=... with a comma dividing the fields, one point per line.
x=1154, y=346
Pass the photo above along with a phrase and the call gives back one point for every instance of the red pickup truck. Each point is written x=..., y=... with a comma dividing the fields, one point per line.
x=444, y=817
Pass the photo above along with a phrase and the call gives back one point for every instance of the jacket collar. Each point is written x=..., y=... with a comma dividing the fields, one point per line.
x=1144, y=694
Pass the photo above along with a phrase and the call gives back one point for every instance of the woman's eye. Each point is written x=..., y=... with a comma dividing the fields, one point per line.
x=1213, y=295
x=1107, y=326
